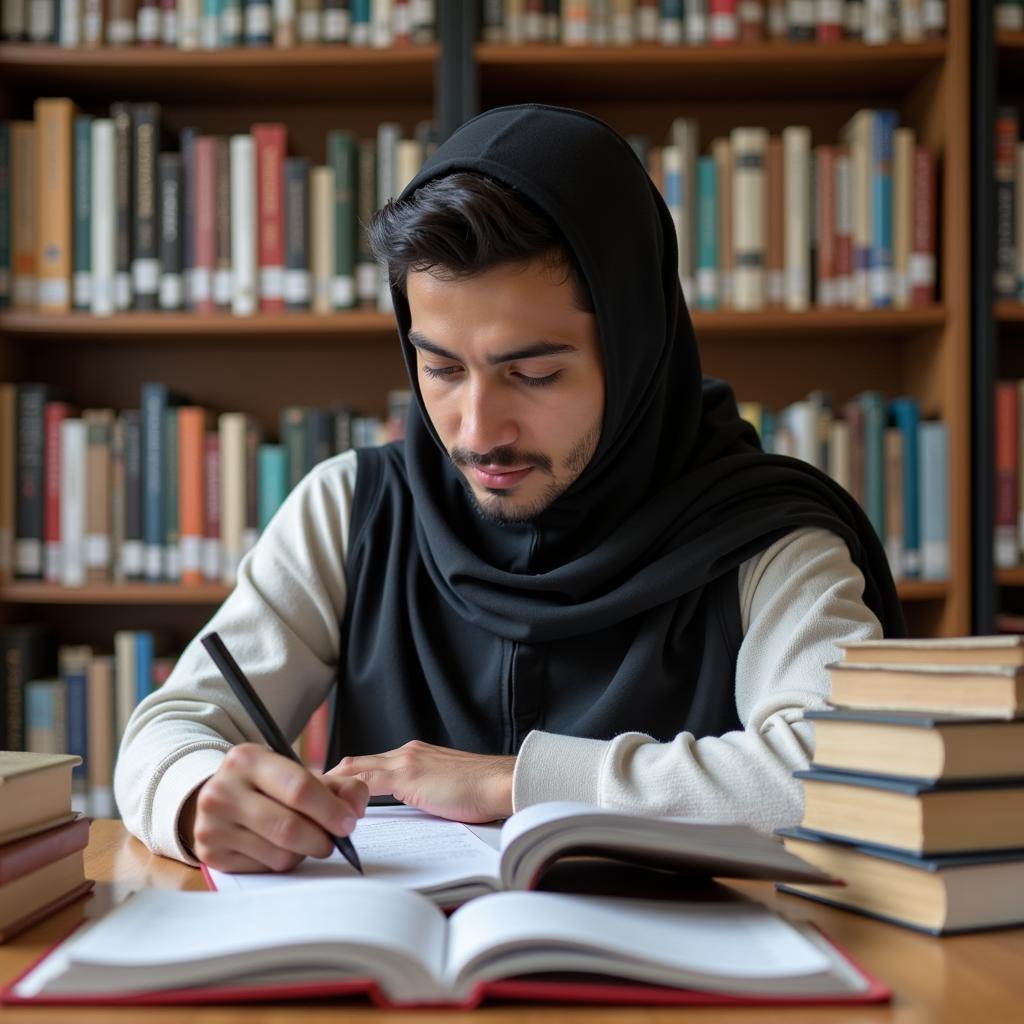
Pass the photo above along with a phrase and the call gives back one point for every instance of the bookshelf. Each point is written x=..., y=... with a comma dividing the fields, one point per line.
x=262, y=363
x=999, y=56
x=778, y=357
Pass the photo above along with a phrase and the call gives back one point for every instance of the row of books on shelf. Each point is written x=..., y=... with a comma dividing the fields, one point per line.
x=1009, y=474
x=710, y=22
x=915, y=797
x=1009, y=15
x=772, y=220
x=60, y=698
x=219, y=24
x=893, y=462
x=169, y=492
x=102, y=220
x=1009, y=196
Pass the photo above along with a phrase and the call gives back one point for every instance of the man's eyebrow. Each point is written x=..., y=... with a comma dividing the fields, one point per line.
x=528, y=351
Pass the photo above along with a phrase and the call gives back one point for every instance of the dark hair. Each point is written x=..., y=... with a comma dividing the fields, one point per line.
x=464, y=224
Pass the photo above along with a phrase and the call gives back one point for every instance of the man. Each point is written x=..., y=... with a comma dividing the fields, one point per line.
x=579, y=577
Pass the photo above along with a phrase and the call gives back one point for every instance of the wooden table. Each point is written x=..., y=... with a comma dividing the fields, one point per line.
x=970, y=978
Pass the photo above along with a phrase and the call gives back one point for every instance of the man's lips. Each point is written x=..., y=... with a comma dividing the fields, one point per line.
x=499, y=476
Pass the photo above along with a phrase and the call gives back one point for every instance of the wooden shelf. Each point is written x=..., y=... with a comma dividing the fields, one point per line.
x=1010, y=577
x=313, y=73
x=922, y=590
x=30, y=592
x=650, y=71
x=1008, y=312
x=131, y=327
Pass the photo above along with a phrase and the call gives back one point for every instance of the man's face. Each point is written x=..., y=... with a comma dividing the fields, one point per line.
x=512, y=378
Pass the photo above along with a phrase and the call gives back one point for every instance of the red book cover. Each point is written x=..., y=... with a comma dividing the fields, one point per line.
x=205, y=229
x=1007, y=452
x=844, y=236
x=827, y=272
x=211, y=508
x=829, y=21
x=922, y=254
x=271, y=143
x=53, y=415
x=33, y=852
x=724, y=26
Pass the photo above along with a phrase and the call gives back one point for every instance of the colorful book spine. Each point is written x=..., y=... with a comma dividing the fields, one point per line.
x=73, y=498
x=232, y=493
x=204, y=226
x=211, y=508
x=748, y=151
x=342, y=156
x=933, y=442
x=170, y=189
x=99, y=547
x=103, y=247
x=121, y=114
x=796, y=143
x=906, y=416
x=223, y=225
x=192, y=427
x=81, y=265
x=881, y=259
x=145, y=261
x=145, y=649
x=1007, y=468
x=273, y=481
x=1007, y=132
x=707, y=233
x=28, y=548
x=73, y=663
x=875, y=419
x=23, y=218
x=55, y=414
x=5, y=214
x=296, y=213
x=169, y=471
x=923, y=275
x=271, y=142
x=244, y=257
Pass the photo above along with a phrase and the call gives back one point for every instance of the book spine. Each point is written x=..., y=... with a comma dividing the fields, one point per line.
x=154, y=402
x=81, y=266
x=8, y=481
x=334, y=23
x=933, y=440
x=1006, y=128
x=23, y=221
x=1020, y=470
x=100, y=727
x=169, y=23
x=923, y=274
x=853, y=414
x=253, y=439
x=169, y=468
x=749, y=242
x=42, y=21
x=121, y=23
x=271, y=141
x=801, y=19
x=245, y=297
x=259, y=22
x=1019, y=205
x=188, y=213
x=54, y=414
x=775, y=273
x=796, y=143
x=751, y=15
x=232, y=493
x=874, y=460
x=209, y=25
x=122, y=117
x=189, y=24
x=133, y=554
x=293, y=438
x=829, y=21
x=857, y=135
x=894, y=498
x=5, y=215
x=73, y=502
x=204, y=244
x=14, y=26
x=367, y=271
x=191, y=496
x=721, y=152
x=232, y=23
x=92, y=24
x=911, y=21
x=28, y=551
x=74, y=667
x=827, y=276
x=284, y=23
x=321, y=237
x=685, y=136
x=1007, y=467
x=883, y=126
x=117, y=499
x=54, y=158
x=211, y=508
x=273, y=482
x=723, y=27
x=147, y=23
x=296, y=278
x=877, y=22
x=342, y=153
x=44, y=720
x=707, y=233
x=124, y=681
x=170, y=173
x=904, y=144
x=103, y=247
x=144, y=651
x=382, y=28
x=224, y=277
x=98, y=526
x=145, y=248
x=844, y=227
x=906, y=415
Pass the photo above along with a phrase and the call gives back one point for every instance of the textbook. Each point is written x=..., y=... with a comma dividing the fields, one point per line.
x=939, y=895
x=539, y=846
x=365, y=937
x=960, y=650
x=917, y=744
x=35, y=792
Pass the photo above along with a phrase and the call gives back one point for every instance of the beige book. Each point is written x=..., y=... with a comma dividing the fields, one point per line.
x=23, y=213
x=839, y=452
x=775, y=283
x=99, y=426
x=857, y=136
x=232, y=427
x=685, y=135
x=904, y=142
x=284, y=23
x=36, y=889
x=34, y=789
x=721, y=151
x=964, y=650
x=796, y=150
x=124, y=681
x=321, y=232
x=54, y=125
x=408, y=161
x=749, y=147
x=100, y=764
x=8, y=464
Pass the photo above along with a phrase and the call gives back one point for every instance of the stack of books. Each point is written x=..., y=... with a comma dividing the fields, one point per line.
x=42, y=840
x=915, y=797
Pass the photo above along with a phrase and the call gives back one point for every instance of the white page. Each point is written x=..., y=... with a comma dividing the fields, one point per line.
x=400, y=845
x=181, y=935
x=724, y=941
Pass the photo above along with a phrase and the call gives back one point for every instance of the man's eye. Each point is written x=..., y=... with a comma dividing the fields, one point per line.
x=439, y=371
x=539, y=382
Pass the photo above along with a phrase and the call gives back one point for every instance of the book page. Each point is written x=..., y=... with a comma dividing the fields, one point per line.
x=723, y=946
x=400, y=845
x=166, y=939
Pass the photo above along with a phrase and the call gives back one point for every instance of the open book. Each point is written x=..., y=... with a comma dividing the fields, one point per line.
x=451, y=863
x=364, y=936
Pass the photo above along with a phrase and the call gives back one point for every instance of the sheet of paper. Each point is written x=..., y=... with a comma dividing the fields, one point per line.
x=400, y=845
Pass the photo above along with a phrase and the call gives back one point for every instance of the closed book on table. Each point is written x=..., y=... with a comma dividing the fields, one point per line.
x=917, y=745
x=967, y=651
x=995, y=690
x=917, y=817
x=940, y=895
x=35, y=789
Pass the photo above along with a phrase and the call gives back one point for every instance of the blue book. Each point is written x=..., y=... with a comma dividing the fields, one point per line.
x=906, y=415
x=75, y=671
x=273, y=480
x=156, y=398
x=880, y=262
x=875, y=410
x=45, y=716
x=144, y=649
x=359, y=30
x=933, y=487
x=707, y=233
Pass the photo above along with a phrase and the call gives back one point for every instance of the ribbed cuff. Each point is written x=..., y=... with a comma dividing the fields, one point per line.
x=553, y=767
x=176, y=785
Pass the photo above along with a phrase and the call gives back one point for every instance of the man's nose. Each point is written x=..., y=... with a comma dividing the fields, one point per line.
x=487, y=421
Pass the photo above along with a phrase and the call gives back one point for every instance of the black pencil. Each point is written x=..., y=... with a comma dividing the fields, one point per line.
x=268, y=728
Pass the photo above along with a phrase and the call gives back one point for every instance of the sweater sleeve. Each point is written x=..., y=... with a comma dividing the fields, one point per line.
x=281, y=622
x=799, y=599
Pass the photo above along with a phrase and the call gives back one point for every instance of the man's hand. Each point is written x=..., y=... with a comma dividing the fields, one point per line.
x=448, y=783
x=264, y=812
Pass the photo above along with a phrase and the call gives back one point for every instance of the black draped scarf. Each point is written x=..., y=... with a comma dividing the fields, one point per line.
x=616, y=607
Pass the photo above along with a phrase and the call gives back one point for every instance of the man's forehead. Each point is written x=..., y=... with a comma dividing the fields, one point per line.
x=528, y=349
